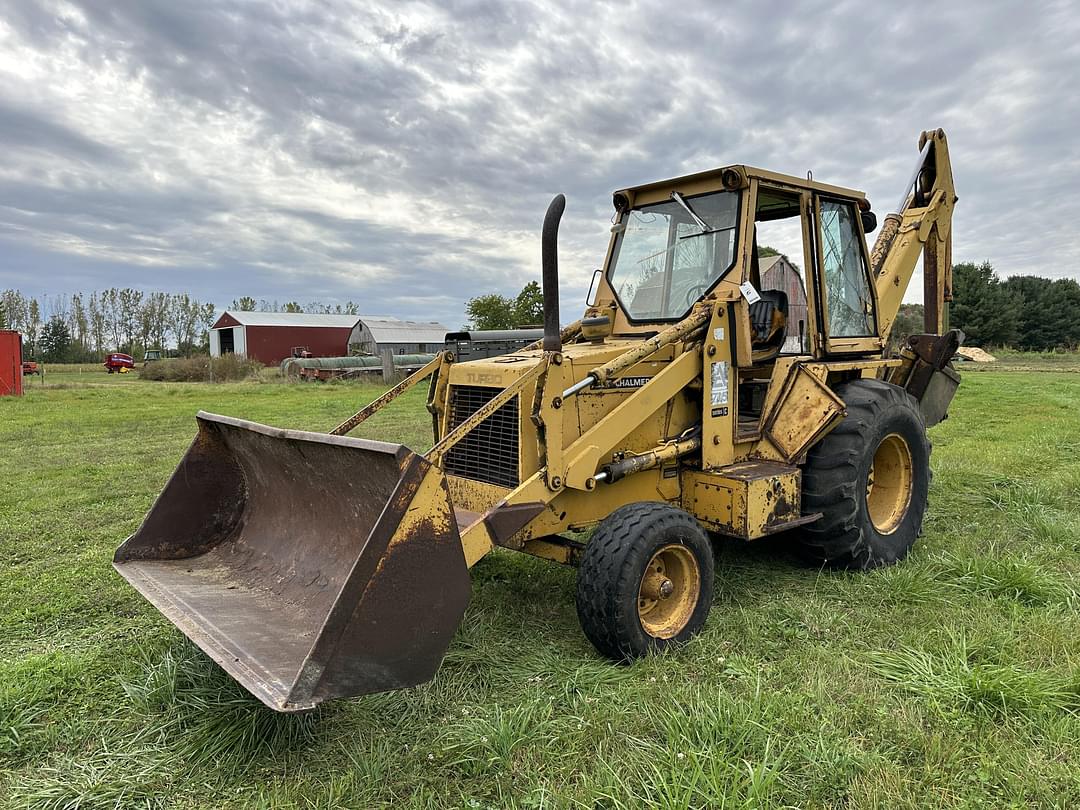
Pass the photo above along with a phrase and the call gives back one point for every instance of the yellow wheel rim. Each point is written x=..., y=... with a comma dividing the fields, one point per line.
x=669, y=591
x=889, y=484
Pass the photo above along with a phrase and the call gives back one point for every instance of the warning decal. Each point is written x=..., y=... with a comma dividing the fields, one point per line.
x=719, y=383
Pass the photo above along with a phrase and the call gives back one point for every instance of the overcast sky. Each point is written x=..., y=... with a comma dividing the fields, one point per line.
x=402, y=156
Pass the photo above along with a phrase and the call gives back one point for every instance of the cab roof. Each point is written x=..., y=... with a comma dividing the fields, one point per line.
x=709, y=180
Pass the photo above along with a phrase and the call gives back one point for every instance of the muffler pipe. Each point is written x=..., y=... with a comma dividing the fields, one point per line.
x=549, y=247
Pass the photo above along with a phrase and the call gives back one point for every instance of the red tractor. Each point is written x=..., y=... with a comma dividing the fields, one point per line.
x=29, y=367
x=118, y=363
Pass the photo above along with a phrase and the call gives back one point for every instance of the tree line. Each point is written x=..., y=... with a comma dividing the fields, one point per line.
x=81, y=328
x=248, y=304
x=1025, y=312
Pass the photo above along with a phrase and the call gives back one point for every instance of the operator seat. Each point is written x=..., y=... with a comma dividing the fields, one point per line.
x=768, y=322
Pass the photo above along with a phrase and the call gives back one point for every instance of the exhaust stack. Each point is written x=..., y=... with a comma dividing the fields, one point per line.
x=549, y=247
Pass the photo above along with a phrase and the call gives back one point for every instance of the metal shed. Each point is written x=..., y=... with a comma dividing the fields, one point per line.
x=373, y=335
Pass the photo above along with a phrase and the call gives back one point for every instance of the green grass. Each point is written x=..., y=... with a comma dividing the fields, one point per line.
x=1013, y=360
x=952, y=679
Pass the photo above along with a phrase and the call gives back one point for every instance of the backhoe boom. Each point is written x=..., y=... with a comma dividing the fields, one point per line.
x=923, y=223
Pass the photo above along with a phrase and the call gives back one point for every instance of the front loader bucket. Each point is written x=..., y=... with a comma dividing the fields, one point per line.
x=308, y=566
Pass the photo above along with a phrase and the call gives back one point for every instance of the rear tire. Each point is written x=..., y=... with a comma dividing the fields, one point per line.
x=869, y=478
x=645, y=581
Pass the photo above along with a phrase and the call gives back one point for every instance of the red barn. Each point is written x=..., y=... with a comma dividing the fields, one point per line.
x=10, y=363
x=777, y=273
x=270, y=337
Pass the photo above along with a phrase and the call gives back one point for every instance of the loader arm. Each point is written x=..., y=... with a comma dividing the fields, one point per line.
x=922, y=223
x=573, y=462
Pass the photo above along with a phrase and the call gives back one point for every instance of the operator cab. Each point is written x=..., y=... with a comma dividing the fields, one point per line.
x=794, y=248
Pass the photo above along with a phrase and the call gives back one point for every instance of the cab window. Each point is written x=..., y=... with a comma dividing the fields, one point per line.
x=849, y=300
x=664, y=261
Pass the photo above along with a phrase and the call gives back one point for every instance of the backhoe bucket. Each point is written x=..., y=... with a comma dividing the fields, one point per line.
x=308, y=566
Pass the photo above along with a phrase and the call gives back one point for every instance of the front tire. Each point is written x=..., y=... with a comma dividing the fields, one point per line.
x=869, y=478
x=645, y=581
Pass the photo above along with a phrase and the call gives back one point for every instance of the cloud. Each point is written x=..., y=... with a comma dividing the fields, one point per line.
x=402, y=154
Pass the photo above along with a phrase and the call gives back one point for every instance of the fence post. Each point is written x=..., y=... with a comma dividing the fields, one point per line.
x=388, y=370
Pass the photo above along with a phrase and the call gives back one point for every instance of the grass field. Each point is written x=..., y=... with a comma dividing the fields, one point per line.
x=950, y=680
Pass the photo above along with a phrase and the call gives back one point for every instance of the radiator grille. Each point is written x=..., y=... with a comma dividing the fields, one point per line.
x=490, y=451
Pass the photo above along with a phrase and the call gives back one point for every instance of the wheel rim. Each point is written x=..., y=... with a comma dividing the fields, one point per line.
x=889, y=483
x=669, y=591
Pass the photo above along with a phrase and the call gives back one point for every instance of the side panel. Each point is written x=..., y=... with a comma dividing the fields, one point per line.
x=272, y=344
x=719, y=388
x=805, y=409
x=10, y=364
x=748, y=500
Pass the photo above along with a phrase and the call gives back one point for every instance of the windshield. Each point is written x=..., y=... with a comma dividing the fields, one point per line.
x=663, y=262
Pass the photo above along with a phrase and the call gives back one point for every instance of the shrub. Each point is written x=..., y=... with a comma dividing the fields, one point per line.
x=201, y=369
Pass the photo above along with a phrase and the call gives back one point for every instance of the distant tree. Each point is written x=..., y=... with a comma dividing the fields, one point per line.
x=909, y=321
x=96, y=318
x=529, y=305
x=1036, y=327
x=156, y=313
x=207, y=311
x=1049, y=312
x=184, y=323
x=1067, y=293
x=57, y=306
x=130, y=307
x=494, y=311
x=15, y=309
x=55, y=340
x=985, y=309
x=292, y=306
x=33, y=325
x=490, y=311
x=244, y=304
x=110, y=310
x=77, y=321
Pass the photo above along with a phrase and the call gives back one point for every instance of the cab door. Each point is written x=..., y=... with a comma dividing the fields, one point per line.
x=847, y=296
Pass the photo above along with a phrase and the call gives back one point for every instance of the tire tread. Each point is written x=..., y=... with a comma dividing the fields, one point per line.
x=608, y=569
x=831, y=474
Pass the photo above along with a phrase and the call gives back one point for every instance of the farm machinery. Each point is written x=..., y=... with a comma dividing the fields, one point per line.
x=688, y=399
x=118, y=363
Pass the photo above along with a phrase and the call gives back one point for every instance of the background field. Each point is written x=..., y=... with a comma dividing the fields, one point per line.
x=952, y=679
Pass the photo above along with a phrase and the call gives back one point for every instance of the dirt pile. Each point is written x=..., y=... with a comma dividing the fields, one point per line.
x=975, y=354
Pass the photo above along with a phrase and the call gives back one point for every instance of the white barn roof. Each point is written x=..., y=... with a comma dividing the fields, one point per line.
x=765, y=263
x=391, y=330
x=291, y=319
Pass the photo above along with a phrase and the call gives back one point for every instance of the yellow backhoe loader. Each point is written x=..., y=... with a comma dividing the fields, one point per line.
x=693, y=396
